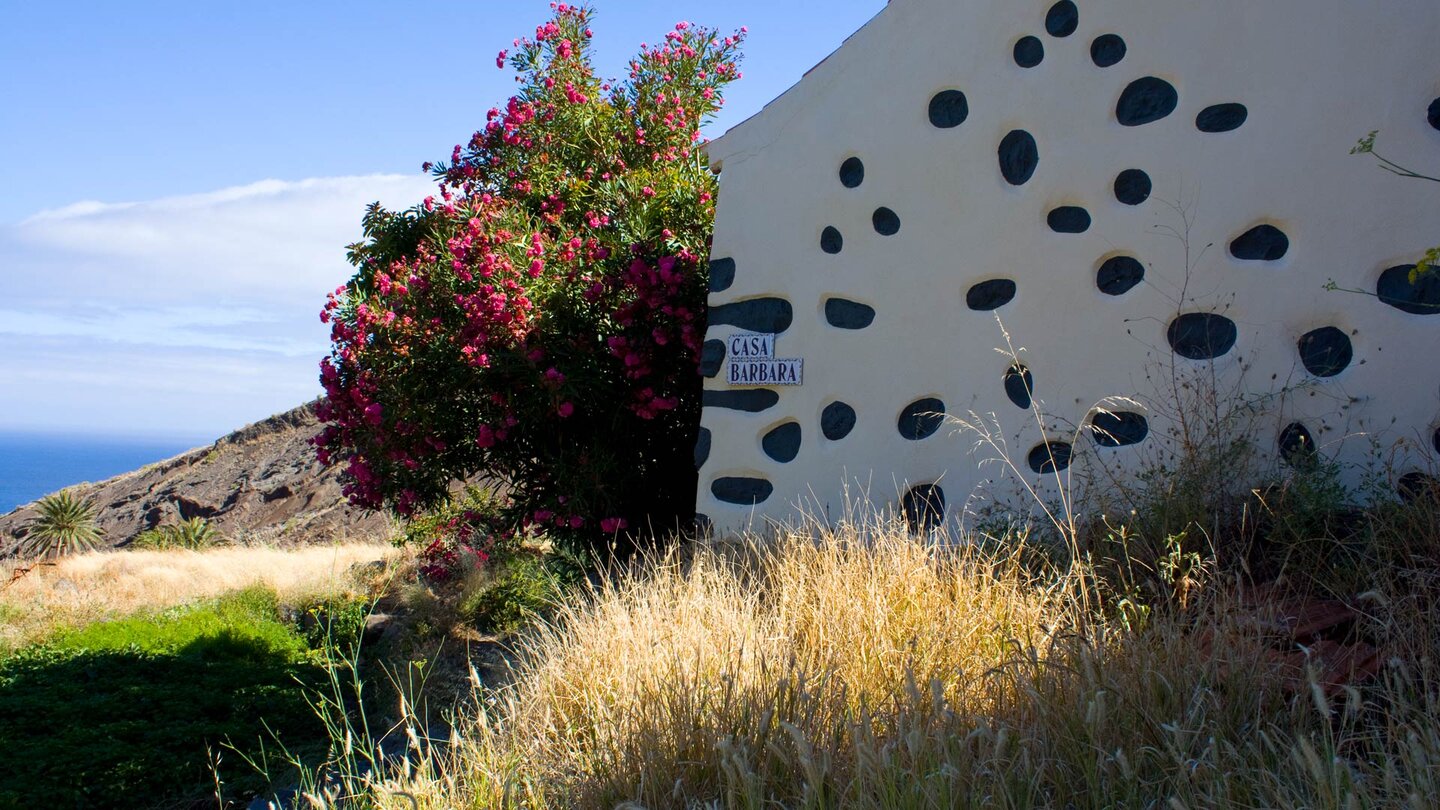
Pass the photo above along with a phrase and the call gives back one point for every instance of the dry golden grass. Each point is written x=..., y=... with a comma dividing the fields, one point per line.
x=99, y=585
x=872, y=671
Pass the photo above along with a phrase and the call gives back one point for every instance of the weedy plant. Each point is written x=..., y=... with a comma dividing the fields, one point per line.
x=195, y=534
x=65, y=525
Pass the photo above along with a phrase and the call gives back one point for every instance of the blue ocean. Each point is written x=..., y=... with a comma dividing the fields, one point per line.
x=34, y=464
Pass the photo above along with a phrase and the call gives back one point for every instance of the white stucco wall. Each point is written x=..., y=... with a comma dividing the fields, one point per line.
x=1314, y=76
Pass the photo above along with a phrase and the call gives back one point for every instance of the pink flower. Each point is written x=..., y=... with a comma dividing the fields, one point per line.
x=373, y=414
x=565, y=410
x=612, y=525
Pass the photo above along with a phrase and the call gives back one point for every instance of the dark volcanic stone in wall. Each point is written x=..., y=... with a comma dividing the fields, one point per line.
x=1326, y=351
x=1420, y=298
x=1119, y=274
x=752, y=400
x=886, y=222
x=992, y=294
x=742, y=491
x=1415, y=485
x=1049, y=457
x=1029, y=52
x=1146, y=100
x=1132, y=186
x=852, y=172
x=1202, y=335
x=702, y=448
x=1435, y=440
x=755, y=315
x=1296, y=445
x=712, y=357
x=845, y=314
x=1119, y=428
x=924, y=507
x=837, y=420
x=1068, y=219
x=921, y=419
x=783, y=443
x=1019, y=385
x=703, y=525
x=1018, y=157
x=831, y=241
x=1262, y=243
x=1062, y=19
x=1433, y=114
x=949, y=109
x=722, y=274
x=1221, y=117
x=1107, y=50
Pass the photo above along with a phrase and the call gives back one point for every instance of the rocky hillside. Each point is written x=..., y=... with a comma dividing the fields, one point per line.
x=260, y=484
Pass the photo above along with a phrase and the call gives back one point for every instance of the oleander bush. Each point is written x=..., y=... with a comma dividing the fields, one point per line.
x=539, y=320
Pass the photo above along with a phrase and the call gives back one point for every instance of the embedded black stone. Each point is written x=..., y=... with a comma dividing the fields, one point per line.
x=1019, y=385
x=1132, y=187
x=722, y=274
x=1069, y=219
x=1221, y=117
x=702, y=448
x=703, y=524
x=1296, y=445
x=831, y=241
x=921, y=419
x=949, y=109
x=1049, y=457
x=837, y=420
x=992, y=294
x=712, y=357
x=742, y=491
x=852, y=173
x=753, y=400
x=885, y=221
x=1107, y=50
x=1326, y=351
x=768, y=315
x=1419, y=298
x=845, y=314
x=783, y=443
x=1119, y=429
x=1018, y=157
x=1119, y=274
x=1435, y=440
x=1202, y=335
x=1415, y=485
x=1029, y=52
x=1062, y=19
x=1433, y=114
x=1262, y=243
x=924, y=507
x=1146, y=100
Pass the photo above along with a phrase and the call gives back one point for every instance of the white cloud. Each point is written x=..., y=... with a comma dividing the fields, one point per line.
x=222, y=284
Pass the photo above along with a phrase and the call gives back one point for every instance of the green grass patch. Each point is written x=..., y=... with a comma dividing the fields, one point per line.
x=126, y=713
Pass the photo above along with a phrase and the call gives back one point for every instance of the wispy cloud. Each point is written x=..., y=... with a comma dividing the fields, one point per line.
x=223, y=286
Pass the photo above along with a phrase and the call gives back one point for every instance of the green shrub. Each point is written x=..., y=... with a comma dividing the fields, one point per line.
x=195, y=534
x=65, y=525
x=526, y=587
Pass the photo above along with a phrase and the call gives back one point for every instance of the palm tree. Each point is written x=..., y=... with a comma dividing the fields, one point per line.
x=65, y=525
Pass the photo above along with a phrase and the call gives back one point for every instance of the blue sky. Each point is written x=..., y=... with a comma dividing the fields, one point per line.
x=178, y=179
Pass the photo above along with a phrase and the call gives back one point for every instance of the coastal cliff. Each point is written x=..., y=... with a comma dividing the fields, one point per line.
x=260, y=484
